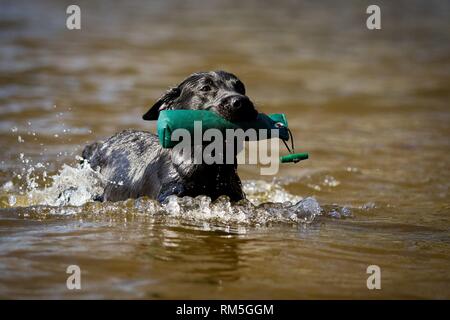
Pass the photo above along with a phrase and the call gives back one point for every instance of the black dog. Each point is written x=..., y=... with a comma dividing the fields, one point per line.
x=134, y=164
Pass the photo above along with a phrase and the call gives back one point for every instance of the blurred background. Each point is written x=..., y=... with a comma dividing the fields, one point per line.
x=355, y=97
x=371, y=107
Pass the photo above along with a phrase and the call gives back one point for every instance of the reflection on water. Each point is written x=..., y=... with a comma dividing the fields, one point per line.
x=371, y=107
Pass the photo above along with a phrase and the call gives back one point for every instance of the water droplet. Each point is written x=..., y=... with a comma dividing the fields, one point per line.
x=12, y=200
x=8, y=186
x=331, y=181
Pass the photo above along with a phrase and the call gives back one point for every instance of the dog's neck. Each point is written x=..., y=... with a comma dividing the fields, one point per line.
x=191, y=178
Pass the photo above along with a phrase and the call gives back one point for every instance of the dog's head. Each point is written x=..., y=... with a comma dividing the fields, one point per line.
x=217, y=91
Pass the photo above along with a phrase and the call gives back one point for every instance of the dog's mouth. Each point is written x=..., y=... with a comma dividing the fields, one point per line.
x=241, y=115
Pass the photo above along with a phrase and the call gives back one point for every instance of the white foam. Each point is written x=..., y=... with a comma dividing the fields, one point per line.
x=77, y=186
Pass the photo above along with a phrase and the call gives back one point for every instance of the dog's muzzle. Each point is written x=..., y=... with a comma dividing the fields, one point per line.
x=237, y=108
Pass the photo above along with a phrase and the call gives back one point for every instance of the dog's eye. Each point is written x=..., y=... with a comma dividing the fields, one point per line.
x=205, y=88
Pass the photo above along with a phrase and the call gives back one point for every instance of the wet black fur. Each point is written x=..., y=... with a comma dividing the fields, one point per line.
x=134, y=164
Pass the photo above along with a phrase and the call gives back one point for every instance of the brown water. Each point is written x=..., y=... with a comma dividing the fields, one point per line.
x=371, y=108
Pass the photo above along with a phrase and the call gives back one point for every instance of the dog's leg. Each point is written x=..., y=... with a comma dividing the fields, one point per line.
x=176, y=189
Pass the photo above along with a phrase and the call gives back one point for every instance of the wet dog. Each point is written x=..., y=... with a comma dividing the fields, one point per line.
x=133, y=163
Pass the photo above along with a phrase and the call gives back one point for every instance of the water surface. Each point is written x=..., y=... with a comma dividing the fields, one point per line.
x=371, y=108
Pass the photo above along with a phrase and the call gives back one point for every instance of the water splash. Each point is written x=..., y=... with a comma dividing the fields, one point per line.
x=259, y=191
x=74, y=188
x=243, y=212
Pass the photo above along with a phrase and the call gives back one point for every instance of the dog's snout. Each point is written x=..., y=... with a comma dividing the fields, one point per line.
x=239, y=108
x=241, y=102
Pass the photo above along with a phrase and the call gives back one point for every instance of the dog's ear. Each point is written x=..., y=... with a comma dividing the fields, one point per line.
x=162, y=103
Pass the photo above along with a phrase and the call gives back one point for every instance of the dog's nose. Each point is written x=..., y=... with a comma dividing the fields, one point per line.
x=237, y=108
x=242, y=108
x=241, y=102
